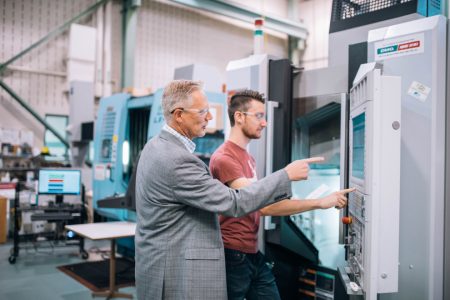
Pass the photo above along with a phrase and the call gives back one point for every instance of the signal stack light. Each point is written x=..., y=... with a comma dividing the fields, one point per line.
x=258, y=37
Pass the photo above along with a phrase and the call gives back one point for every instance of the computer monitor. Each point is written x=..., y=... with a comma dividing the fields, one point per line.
x=59, y=182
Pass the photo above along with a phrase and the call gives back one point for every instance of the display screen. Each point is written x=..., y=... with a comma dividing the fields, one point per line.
x=359, y=126
x=59, y=182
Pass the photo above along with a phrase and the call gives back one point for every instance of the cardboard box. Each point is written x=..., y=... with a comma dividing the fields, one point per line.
x=3, y=224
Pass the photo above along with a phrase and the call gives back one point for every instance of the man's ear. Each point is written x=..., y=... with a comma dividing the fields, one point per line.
x=177, y=116
x=238, y=117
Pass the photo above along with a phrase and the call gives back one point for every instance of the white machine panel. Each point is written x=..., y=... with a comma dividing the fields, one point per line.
x=374, y=144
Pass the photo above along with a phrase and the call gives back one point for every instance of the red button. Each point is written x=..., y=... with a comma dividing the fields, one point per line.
x=347, y=220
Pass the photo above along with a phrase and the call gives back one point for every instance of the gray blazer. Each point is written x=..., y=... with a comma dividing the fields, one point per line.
x=179, y=249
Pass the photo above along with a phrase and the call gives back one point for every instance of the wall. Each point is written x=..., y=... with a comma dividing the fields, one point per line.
x=22, y=23
x=277, y=8
x=171, y=36
x=316, y=15
x=168, y=36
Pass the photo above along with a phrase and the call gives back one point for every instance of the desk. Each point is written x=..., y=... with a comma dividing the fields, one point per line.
x=107, y=231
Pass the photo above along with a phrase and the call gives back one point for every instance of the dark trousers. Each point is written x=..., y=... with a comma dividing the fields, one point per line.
x=249, y=277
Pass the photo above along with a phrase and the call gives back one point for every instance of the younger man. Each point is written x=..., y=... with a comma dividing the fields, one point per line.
x=247, y=274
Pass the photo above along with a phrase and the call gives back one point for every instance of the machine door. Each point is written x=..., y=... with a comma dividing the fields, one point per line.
x=317, y=132
x=308, y=244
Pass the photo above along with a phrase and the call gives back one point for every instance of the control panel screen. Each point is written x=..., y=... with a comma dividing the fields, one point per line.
x=359, y=126
x=106, y=149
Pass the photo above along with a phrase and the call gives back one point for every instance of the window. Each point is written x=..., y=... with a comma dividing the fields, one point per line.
x=56, y=148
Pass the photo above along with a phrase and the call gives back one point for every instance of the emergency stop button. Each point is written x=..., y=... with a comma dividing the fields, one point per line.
x=347, y=220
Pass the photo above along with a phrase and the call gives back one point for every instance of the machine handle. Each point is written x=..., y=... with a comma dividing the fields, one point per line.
x=271, y=105
x=343, y=160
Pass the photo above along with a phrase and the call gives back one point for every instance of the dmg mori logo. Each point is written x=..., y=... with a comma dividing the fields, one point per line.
x=387, y=49
x=399, y=47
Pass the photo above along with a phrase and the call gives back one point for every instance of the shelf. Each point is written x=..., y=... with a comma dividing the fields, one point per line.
x=16, y=156
x=17, y=169
x=48, y=235
x=60, y=215
x=75, y=208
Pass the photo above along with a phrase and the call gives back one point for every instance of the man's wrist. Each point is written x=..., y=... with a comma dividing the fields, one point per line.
x=316, y=204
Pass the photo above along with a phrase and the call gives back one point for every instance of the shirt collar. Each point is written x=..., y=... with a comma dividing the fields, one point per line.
x=190, y=145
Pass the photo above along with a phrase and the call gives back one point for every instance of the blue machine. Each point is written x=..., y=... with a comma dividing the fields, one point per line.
x=124, y=124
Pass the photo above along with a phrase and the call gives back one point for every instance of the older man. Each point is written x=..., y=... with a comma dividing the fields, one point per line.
x=179, y=249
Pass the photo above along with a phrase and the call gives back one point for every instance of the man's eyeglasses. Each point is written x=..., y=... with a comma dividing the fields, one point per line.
x=201, y=112
x=259, y=115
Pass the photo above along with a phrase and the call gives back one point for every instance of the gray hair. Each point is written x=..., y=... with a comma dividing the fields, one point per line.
x=178, y=94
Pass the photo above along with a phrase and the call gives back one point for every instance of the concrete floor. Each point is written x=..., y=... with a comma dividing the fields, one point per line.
x=35, y=274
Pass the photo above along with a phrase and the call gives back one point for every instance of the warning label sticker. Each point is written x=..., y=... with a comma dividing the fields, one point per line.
x=419, y=91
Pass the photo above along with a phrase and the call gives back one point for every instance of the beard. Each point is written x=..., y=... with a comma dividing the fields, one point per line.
x=251, y=135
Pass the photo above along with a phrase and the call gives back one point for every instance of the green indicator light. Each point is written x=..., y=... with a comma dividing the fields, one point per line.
x=258, y=32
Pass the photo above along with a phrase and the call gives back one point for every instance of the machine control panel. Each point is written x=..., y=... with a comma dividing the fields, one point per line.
x=372, y=219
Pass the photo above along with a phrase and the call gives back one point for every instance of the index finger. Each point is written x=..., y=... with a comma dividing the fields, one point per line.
x=314, y=159
x=346, y=191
